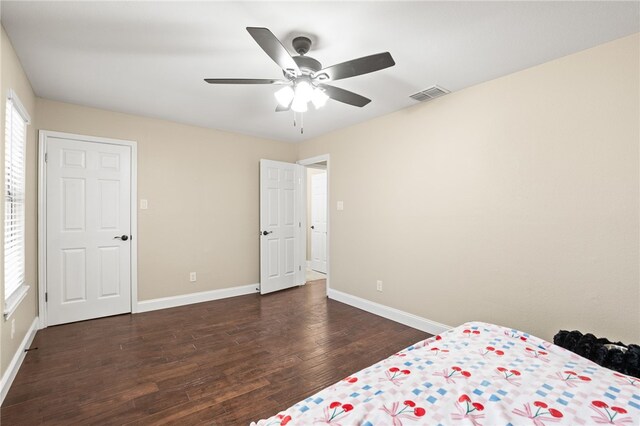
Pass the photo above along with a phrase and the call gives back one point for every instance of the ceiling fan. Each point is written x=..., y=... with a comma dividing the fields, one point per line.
x=305, y=78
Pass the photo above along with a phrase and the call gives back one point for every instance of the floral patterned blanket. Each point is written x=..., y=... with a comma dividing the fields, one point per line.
x=475, y=374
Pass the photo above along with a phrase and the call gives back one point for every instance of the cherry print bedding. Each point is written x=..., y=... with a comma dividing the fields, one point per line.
x=473, y=375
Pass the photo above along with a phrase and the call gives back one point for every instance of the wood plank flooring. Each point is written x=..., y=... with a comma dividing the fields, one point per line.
x=224, y=362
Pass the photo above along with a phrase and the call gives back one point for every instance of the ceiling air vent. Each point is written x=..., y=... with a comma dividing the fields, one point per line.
x=429, y=93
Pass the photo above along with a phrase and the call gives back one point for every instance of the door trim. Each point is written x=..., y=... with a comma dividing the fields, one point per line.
x=303, y=248
x=42, y=212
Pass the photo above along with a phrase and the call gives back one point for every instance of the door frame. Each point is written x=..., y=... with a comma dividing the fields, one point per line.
x=303, y=249
x=43, y=135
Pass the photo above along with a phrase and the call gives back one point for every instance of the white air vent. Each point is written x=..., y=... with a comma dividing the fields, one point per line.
x=429, y=93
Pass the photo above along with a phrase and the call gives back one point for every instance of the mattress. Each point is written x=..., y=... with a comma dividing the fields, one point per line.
x=475, y=374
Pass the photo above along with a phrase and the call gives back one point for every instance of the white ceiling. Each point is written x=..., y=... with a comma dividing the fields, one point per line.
x=150, y=58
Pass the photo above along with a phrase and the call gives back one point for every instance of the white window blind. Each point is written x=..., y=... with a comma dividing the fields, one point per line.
x=16, y=121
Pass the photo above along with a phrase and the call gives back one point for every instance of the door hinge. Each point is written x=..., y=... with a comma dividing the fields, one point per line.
x=299, y=224
x=46, y=157
x=299, y=267
x=46, y=297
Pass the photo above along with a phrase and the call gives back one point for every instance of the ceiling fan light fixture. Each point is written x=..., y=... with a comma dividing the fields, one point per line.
x=304, y=91
x=319, y=98
x=299, y=105
x=284, y=96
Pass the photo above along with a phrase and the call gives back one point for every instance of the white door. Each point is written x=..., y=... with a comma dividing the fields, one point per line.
x=319, y=222
x=88, y=224
x=280, y=226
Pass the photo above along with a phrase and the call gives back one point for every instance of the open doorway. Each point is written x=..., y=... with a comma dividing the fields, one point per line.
x=316, y=222
x=317, y=218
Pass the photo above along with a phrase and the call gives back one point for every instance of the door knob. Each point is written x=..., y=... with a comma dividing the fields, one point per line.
x=313, y=227
x=122, y=237
x=267, y=232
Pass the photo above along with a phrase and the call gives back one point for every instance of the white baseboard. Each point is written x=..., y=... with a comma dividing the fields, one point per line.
x=188, y=299
x=419, y=323
x=16, y=362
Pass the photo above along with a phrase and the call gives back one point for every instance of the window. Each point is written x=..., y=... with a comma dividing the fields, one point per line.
x=16, y=120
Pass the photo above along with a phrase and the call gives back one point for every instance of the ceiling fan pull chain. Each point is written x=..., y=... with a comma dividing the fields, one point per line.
x=302, y=123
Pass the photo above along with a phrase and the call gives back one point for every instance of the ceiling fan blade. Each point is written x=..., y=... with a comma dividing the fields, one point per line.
x=345, y=96
x=272, y=47
x=243, y=81
x=358, y=66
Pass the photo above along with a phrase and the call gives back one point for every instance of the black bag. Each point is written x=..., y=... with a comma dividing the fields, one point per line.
x=614, y=356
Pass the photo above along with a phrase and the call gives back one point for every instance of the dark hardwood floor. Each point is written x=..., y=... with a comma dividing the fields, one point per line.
x=225, y=362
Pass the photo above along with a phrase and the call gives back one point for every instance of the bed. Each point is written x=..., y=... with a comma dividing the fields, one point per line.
x=475, y=374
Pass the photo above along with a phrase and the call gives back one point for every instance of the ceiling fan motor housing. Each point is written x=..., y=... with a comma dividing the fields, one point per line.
x=307, y=64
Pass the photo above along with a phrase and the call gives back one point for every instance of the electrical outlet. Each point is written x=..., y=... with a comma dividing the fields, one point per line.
x=13, y=327
x=379, y=285
x=192, y=277
x=144, y=204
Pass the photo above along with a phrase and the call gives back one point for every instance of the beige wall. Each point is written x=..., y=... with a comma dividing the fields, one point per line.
x=514, y=201
x=203, y=194
x=13, y=77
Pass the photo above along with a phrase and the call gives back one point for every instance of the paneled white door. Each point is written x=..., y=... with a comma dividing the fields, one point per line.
x=280, y=226
x=319, y=222
x=88, y=227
